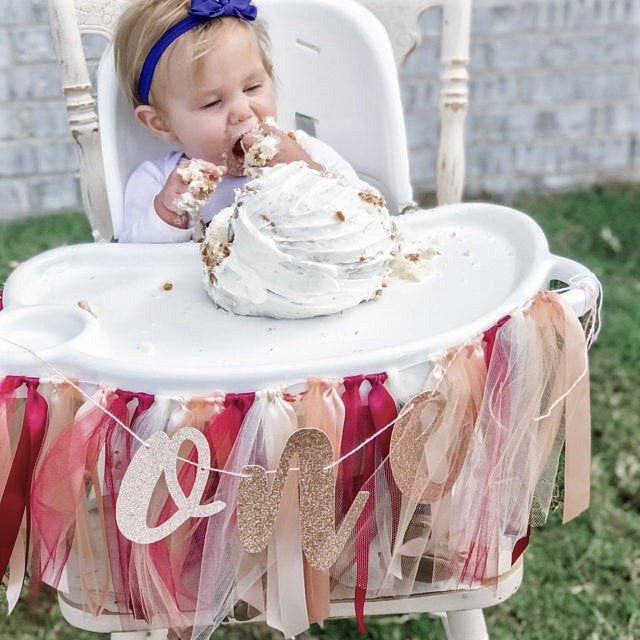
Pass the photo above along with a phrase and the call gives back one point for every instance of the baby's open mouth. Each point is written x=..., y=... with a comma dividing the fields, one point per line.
x=238, y=150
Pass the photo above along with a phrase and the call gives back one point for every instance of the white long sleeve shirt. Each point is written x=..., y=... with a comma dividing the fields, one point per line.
x=141, y=223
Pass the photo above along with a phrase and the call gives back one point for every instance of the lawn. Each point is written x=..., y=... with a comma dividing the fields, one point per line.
x=582, y=580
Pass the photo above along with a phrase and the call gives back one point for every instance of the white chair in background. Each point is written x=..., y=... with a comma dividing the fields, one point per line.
x=338, y=70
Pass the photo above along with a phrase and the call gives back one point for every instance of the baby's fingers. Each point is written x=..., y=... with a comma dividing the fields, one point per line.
x=214, y=170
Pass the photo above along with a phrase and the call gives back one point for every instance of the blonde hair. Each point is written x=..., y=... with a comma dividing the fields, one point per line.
x=143, y=23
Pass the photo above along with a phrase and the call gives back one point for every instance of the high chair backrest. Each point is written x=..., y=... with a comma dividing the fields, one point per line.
x=336, y=77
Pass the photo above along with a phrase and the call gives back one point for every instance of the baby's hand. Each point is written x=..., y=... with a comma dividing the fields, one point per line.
x=166, y=202
x=289, y=149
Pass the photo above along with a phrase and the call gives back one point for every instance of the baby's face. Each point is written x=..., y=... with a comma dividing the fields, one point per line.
x=208, y=112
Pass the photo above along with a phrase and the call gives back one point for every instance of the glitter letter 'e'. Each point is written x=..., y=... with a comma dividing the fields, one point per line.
x=413, y=429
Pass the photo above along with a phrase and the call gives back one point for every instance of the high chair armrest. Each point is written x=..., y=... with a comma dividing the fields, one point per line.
x=585, y=289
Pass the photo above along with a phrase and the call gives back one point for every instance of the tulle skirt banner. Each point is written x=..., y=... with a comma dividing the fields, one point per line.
x=183, y=512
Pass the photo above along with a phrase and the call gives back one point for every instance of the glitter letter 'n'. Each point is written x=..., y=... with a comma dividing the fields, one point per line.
x=258, y=506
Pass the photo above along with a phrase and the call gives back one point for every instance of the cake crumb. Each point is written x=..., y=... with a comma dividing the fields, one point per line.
x=414, y=261
x=167, y=286
x=265, y=148
x=268, y=220
x=371, y=198
x=83, y=304
x=146, y=347
x=340, y=216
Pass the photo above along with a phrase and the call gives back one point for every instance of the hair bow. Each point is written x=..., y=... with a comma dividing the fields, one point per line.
x=210, y=9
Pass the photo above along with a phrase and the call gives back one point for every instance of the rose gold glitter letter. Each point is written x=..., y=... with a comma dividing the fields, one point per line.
x=410, y=435
x=157, y=456
x=258, y=506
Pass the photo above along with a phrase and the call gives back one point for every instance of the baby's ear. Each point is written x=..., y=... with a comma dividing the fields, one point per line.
x=153, y=120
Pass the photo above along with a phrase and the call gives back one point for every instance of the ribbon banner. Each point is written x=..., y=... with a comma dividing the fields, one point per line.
x=185, y=512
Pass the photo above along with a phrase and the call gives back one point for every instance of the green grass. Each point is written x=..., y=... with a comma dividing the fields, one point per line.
x=24, y=239
x=582, y=580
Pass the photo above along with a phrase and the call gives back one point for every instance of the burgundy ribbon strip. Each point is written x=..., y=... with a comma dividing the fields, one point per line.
x=362, y=420
x=384, y=411
x=489, y=338
x=15, y=499
x=349, y=470
x=520, y=546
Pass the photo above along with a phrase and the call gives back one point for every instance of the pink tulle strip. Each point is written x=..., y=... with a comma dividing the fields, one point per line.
x=59, y=486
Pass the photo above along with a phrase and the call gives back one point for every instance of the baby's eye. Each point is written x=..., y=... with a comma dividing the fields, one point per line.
x=210, y=105
x=254, y=87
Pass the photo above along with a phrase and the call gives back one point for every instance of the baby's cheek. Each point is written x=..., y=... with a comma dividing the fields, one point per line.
x=265, y=107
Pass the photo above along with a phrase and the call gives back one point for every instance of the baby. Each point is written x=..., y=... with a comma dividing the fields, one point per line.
x=197, y=74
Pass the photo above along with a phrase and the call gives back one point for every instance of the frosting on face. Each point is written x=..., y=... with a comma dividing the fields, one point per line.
x=298, y=243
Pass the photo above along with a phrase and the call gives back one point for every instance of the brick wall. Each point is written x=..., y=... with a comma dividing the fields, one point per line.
x=554, y=101
x=554, y=95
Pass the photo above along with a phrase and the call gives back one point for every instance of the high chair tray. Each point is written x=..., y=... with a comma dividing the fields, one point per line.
x=137, y=316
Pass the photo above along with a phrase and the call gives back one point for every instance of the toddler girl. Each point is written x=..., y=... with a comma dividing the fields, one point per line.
x=198, y=74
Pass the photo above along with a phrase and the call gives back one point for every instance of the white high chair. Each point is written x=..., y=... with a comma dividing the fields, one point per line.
x=337, y=70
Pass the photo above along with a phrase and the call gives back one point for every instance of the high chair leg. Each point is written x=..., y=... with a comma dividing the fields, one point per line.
x=465, y=625
x=152, y=634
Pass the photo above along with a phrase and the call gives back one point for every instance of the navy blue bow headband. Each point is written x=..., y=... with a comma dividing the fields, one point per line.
x=201, y=11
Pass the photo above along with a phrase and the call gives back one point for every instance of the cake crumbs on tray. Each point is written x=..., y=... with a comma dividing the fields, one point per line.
x=83, y=304
x=414, y=260
x=146, y=347
x=167, y=286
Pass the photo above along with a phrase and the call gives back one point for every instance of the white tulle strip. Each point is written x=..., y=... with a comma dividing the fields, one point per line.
x=227, y=574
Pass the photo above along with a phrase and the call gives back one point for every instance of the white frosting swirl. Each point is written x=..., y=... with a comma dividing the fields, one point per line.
x=298, y=243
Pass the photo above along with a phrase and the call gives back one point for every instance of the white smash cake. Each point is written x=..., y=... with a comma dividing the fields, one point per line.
x=298, y=243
